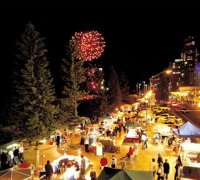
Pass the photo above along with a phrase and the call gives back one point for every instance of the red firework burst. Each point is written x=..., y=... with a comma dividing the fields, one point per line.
x=88, y=45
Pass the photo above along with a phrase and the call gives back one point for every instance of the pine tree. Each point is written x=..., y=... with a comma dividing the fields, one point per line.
x=162, y=92
x=124, y=87
x=114, y=97
x=73, y=77
x=33, y=93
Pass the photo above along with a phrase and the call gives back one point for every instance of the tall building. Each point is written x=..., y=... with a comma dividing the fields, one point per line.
x=184, y=68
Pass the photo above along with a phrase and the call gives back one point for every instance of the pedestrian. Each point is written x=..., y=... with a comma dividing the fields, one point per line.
x=131, y=154
x=82, y=168
x=103, y=162
x=153, y=167
x=166, y=167
x=16, y=155
x=159, y=160
x=113, y=162
x=160, y=172
x=93, y=174
x=49, y=170
x=86, y=143
x=144, y=141
x=177, y=175
x=21, y=152
x=58, y=141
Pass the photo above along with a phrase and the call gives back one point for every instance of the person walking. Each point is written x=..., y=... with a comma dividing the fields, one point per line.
x=131, y=154
x=16, y=155
x=166, y=167
x=153, y=167
x=58, y=141
x=159, y=160
x=49, y=170
x=177, y=175
x=160, y=172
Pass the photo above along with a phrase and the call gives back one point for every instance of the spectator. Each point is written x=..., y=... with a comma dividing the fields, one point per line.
x=48, y=170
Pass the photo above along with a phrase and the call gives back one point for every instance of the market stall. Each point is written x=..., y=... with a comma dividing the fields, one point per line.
x=68, y=162
x=132, y=135
x=191, y=158
x=163, y=129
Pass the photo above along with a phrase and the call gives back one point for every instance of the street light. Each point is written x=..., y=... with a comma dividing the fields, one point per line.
x=168, y=71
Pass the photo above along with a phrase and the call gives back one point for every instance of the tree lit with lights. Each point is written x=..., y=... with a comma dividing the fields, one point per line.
x=88, y=45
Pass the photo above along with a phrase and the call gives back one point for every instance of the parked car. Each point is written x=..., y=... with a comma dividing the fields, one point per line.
x=184, y=110
x=173, y=123
x=174, y=118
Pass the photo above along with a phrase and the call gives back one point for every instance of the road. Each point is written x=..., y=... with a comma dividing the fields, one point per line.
x=193, y=114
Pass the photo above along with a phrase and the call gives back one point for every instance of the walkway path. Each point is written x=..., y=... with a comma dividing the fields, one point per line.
x=142, y=163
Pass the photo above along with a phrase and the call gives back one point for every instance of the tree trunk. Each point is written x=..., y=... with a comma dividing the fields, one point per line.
x=37, y=156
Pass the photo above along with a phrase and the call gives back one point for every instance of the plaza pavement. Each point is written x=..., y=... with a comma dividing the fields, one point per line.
x=50, y=152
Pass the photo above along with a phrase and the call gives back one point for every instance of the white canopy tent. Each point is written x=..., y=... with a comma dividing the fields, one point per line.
x=16, y=174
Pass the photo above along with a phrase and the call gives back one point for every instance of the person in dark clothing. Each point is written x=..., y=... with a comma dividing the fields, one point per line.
x=177, y=170
x=48, y=170
x=3, y=160
x=58, y=141
x=159, y=160
x=16, y=155
x=93, y=175
x=166, y=167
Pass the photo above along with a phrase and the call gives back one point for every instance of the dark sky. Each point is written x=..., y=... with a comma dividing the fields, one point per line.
x=141, y=36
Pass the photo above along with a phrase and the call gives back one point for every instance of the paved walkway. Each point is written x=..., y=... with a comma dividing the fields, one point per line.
x=50, y=152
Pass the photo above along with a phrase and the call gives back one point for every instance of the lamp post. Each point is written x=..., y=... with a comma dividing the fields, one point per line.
x=43, y=155
x=150, y=81
x=143, y=87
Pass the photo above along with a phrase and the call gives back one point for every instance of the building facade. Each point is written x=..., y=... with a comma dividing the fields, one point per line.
x=184, y=70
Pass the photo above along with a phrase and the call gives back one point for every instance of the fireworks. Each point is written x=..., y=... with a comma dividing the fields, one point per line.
x=88, y=45
x=93, y=85
x=90, y=72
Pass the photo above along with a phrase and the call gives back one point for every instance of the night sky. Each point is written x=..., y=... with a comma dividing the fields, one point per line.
x=141, y=37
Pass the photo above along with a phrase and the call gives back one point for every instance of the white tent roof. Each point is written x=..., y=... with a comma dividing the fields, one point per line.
x=191, y=147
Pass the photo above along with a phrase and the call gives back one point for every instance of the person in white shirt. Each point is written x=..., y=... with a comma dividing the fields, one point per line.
x=21, y=152
x=153, y=167
x=113, y=162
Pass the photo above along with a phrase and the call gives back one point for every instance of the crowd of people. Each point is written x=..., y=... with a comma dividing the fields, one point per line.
x=11, y=157
x=161, y=168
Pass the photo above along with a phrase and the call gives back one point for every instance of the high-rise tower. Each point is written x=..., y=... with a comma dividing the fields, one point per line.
x=184, y=68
